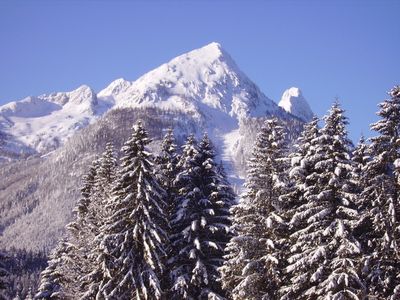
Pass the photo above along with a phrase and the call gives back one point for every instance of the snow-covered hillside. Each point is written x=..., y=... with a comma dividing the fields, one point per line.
x=202, y=90
x=293, y=102
x=43, y=123
x=206, y=84
x=203, y=81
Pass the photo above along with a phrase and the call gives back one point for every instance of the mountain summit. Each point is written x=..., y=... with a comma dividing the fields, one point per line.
x=204, y=83
x=293, y=102
x=200, y=91
x=205, y=78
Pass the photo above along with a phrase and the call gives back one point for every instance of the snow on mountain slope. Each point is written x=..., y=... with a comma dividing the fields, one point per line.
x=202, y=90
x=206, y=84
x=201, y=82
x=293, y=102
x=43, y=123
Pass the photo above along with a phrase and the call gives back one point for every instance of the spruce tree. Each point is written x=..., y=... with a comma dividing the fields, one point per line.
x=325, y=257
x=3, y=274
x=301, y=182
x=360, y=158
x=167, y=167
x=200, y=223
x=29, y=295
x=255, y=255
x=380, y=203
x=69, y=262
x=98, y=213
x=133, y=237
x=56, y=278
x=167, y=170
x=106, y=173
x=81, y=210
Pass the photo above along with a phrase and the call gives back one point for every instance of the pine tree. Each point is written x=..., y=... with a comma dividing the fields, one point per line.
x=167, y=170
x=102, y=186
x=78, y=226
x=380, y=203
x=360, y=158
x=56, y=276
x=69, y=261
x=132, y=248
x=200, y=223
x=255, y=254
x=29, y=295
x=325, y=257
x=3, y=274
x=301, y=183
x=105, y=176
x=167, y=167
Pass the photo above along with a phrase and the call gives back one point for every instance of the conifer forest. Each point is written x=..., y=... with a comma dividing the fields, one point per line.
x=317, y=218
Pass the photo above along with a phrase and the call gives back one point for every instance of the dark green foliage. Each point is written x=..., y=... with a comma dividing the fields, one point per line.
x=253, y=269
x=200, y=223
x=379, y=202
x=325, y=257
x=3, y=274
x=56, y=277
x=132, y=248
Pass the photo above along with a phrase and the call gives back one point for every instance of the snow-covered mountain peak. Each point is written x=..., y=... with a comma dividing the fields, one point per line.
x=294, y=92
x=202, y=82
x=294, y=102
x=82, y=95
x=114, y=88
x=44, y=122
x=206, y=55
x=29, y=107
x=205, y=85
x=83, y=99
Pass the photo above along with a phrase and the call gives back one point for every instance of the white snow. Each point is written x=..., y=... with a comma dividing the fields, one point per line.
x=45, y=122
x=293, y=102
x=205, y=83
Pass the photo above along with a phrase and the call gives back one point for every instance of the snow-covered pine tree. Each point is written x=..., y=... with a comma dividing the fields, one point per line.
x=3, y=274
x=106, y=174
x=29, y=295
x=81, y=210
x=200, y=223
x=360, y=158
x=68, y=262
x=214, y=221
x=134, y=235
x=301, y=182
x=167, y=170
x=380, y=202
x=325, y=258
x=57, y=276
x=255, y=255
x=167, y=167
x=95, y=218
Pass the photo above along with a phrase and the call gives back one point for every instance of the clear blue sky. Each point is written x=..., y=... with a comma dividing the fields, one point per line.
x=345, y=49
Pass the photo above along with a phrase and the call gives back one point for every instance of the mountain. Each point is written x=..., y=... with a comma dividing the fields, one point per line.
x=293, y=102
x=205, y=83
x=41, y=124
x=61, y=133
x=202, y=82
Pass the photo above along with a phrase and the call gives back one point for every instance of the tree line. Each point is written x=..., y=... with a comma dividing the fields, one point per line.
x=319, y=220
x=148, y=228
x=323, y=221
